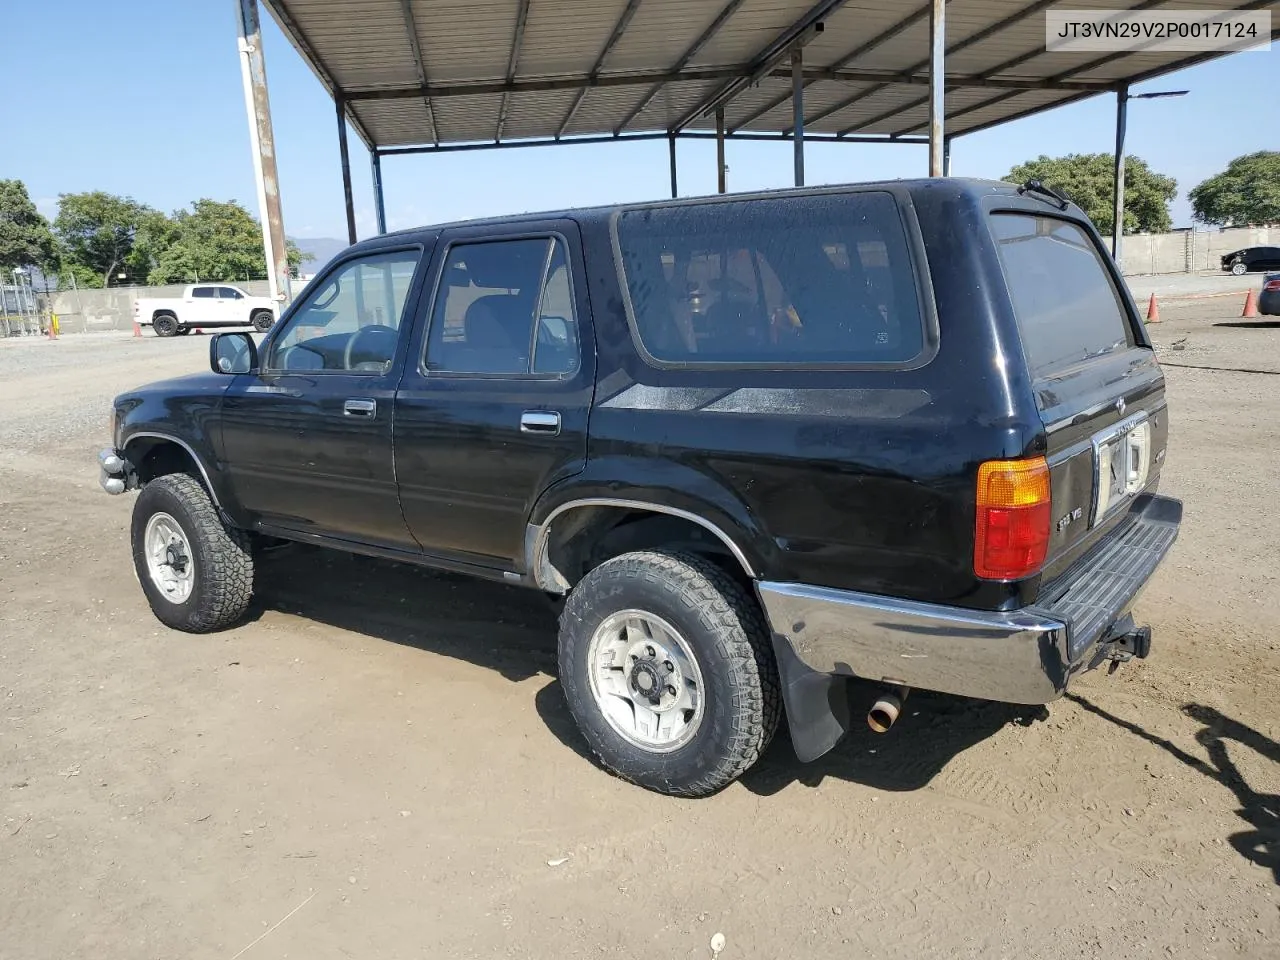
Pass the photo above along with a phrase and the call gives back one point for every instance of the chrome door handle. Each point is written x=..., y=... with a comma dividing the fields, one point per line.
x=540, y=421
x=360, y=408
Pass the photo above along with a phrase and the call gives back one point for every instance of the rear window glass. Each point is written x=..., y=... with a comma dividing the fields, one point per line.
x=825, y=279
x=1066, y=306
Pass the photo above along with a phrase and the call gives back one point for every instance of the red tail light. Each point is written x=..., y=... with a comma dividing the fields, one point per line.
x=1272, y=285
x=1011, y=535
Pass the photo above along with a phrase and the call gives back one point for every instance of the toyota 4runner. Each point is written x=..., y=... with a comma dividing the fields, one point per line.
x=906, y=432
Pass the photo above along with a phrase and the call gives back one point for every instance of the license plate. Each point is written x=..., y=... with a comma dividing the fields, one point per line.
x=1122, y=460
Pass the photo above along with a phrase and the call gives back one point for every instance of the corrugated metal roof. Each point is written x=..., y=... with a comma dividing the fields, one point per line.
x=444, y=72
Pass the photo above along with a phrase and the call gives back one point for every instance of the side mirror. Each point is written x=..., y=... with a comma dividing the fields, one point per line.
x=232, y=353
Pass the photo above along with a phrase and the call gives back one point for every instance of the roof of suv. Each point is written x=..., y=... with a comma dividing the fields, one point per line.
x=953, y=185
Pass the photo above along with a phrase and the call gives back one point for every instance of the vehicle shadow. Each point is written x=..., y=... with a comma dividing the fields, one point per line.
x=1261, y=843
x=1249, y=324
x=510, y=630
x=932, y=731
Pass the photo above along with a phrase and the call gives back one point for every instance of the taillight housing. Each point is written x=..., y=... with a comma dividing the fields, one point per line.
x=1272, y=285
x=1011, y=532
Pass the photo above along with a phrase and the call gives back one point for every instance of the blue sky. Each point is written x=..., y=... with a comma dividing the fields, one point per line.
x=143, y=98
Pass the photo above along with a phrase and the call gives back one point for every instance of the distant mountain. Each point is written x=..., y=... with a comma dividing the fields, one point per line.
x=323, y=249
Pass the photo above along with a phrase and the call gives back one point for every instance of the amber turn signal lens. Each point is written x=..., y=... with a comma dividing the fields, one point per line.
x=1011, y=532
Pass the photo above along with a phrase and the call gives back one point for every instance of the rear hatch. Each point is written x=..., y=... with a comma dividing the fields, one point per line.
x=1097, y=385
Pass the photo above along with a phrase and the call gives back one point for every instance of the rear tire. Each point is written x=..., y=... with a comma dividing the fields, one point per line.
x=165, y=325
x=196, y=572
x=669, y=615
x=1239, y=269
x=263, y=321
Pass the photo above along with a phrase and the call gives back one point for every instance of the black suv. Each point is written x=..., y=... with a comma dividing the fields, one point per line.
x=906, y=432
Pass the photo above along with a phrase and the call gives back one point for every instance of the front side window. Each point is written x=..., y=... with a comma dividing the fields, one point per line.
x=228, y=293
x=505, y=307
x=810, y=280
x=1066, y=306
x=351, y=321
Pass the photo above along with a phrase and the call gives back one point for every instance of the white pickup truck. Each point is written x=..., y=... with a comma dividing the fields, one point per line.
x=204, y=305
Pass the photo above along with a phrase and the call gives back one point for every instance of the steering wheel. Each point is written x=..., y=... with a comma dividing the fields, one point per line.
x=351, y=342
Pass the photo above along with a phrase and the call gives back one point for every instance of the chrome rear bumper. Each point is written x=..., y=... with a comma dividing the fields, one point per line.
x=1019, y=656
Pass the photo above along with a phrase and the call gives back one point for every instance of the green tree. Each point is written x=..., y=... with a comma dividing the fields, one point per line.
x=25, y=237
x=98, y=232
x=1248, y=191
x=1087, y=178
x=213, y=241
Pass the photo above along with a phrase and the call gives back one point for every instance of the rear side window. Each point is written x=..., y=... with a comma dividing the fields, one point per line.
x=1066, y=306
x=807, y=280
x=205, y=293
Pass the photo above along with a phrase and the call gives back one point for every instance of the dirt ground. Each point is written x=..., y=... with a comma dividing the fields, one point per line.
x=380, y=763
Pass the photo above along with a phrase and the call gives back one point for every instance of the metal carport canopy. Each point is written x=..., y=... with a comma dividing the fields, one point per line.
x=428, y=75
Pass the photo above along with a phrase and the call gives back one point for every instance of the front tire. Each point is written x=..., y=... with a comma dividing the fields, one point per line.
x=263, y=321
x=668, y=670
x=196, y=572
x=165, y=325
x=1239, y=269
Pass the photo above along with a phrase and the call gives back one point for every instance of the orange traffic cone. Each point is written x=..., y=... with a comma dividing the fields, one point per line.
x=137, y=329
x=1250, y=305
x=1153, y=310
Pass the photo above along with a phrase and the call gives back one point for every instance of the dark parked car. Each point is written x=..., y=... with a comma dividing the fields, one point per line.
x=761, y=445
x=1252, y=259
x=1269, y=298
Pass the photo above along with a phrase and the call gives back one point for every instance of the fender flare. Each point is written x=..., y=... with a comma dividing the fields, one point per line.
x=669, y=489
x=206, y=476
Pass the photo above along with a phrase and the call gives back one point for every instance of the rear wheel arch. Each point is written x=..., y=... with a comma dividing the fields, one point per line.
x=580, y=535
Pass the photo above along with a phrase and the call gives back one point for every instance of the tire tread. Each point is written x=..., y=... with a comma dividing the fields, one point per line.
x=227, y=571
x=735, y=619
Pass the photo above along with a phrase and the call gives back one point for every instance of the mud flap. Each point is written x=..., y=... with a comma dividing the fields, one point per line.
x=817, y=704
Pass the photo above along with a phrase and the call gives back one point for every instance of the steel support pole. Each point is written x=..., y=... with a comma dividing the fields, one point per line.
x=946, y=156
x=340, y=106
x=379, y=207
x=253, y=73
x=1117, y=188
x=671, y=151
x=797, y=111
x=720, y=168
x=937, y=79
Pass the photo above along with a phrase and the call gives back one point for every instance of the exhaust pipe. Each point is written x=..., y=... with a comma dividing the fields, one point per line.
x=884, y=712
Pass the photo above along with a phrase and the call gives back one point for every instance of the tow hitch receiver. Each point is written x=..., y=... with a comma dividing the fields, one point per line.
x=1126, y=642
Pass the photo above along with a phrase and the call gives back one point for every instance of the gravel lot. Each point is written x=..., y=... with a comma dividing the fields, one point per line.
x=380, y=764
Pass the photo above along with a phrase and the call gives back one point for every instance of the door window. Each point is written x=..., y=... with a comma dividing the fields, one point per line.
x=351, y=321
x=228, y=293
x=505, y=307
x=204, y=293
